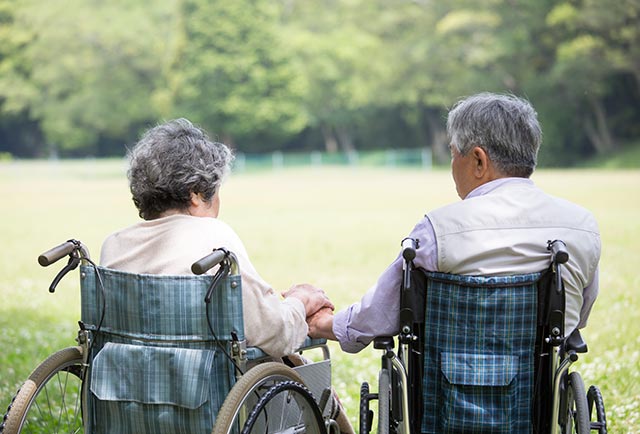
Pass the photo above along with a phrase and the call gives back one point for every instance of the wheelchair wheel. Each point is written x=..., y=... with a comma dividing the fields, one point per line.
x=595, y=401
x=287, y=407
x=577, y=409
x=384, y=401
x=50, y=400
x=366, y=415
x=246, y=393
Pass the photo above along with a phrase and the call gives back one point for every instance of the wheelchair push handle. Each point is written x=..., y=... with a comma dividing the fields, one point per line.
x=56, y=253
x=559, y=253
x=559, y=256
x=409, y=246
x=219, y=256
x=205, y=264
x=76, y=251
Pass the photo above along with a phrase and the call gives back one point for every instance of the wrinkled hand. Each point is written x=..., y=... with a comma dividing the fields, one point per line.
x=312, y=297
x=321, y=324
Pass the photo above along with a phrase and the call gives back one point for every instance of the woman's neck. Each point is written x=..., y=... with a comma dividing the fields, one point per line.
x=171, y=212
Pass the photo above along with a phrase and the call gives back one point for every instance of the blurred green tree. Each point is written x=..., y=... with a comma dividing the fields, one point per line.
x=81, y=77
x=84, y=71
x=229, y=72
x=339, y=56
x=597, y=68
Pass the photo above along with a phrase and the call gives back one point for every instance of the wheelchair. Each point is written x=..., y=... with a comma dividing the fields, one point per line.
x=484, y=355
x=167, y=354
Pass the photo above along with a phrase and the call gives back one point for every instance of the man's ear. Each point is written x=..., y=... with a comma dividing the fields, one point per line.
x=481, y=162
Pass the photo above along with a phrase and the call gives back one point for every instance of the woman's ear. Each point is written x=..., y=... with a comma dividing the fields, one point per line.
x=202, y=208
x=196, y=199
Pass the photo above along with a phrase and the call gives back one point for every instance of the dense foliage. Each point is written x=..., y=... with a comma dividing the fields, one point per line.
x=84, y=77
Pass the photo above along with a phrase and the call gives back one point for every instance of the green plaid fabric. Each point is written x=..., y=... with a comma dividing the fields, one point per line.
x=163, y=308
x=479, y=353
x=155, y=366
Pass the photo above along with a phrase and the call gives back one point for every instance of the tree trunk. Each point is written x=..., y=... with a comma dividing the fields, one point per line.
x=597, y=128
x=636, y=75
x=330, y=141
x=433, y=129
x=345, y=139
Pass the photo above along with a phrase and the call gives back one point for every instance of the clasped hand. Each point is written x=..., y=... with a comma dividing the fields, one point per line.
x=318, y=307
x=311, y=296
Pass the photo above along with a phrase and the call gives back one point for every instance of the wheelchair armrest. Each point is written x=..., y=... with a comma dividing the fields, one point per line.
x=383, y=343
x=255, y=353
x=575, y=342
x=310, y=343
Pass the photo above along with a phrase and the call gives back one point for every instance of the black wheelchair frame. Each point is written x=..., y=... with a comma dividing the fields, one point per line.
x=571, y=409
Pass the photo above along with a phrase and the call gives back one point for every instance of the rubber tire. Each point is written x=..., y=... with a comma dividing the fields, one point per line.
x=68, y=360
x=384, y=404
x=364, y=409
x=577, y=406
x=253, y=380
x=312, y=425
x=594, y=400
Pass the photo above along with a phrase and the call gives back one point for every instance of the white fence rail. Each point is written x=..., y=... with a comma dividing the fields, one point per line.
x=421, y=157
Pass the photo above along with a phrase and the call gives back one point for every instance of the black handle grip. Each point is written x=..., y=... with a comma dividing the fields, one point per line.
x=559, y=253
x=205, y=264
x=409, y=246
x=56, y=253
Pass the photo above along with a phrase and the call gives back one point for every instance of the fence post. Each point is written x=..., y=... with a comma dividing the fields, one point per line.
x=240, y=162
x=352, y=157
x=427, y=158
x=390, y=157
x=277, y=159
x=316, y=158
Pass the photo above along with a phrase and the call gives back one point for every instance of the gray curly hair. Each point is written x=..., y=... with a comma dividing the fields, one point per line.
x=505, y=126
x=171, y=161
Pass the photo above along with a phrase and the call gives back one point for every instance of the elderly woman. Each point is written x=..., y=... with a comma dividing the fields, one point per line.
x=175, y=177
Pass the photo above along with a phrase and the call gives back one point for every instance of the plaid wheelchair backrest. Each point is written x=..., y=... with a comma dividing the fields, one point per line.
x=154, y=366
x=479, y=345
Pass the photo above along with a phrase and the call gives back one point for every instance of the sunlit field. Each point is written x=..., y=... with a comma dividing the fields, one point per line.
x=335, y=227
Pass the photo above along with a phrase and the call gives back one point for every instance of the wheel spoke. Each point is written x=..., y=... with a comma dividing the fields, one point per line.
x=63, y=406
x=282, y=397
x=287, y=401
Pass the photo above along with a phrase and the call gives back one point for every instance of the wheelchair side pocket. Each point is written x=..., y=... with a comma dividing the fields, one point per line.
x=142, y=389
x=478, y=392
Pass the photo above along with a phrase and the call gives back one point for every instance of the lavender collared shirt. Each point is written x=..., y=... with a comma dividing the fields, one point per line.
x=377, y=313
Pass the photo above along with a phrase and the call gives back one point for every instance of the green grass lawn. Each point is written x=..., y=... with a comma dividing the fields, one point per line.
x=335, y=227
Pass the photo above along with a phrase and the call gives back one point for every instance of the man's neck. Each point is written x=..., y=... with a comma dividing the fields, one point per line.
x=488, y=187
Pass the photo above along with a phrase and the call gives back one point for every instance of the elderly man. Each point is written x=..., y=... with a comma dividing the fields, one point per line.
x=500, y=227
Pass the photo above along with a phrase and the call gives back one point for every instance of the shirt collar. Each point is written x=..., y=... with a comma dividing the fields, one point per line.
x=488, y=187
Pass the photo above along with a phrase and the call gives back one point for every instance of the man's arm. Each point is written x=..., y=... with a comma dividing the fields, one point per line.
x=589, y=294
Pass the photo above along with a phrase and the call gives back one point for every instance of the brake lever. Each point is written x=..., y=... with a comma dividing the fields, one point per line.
x=72, y=264
x=222, y=272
